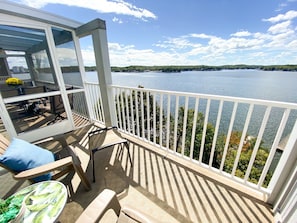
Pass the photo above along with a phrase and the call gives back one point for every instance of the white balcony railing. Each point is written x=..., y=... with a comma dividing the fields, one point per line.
x=238, y=138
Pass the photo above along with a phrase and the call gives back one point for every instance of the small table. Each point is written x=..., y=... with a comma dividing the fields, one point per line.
x=43, y=201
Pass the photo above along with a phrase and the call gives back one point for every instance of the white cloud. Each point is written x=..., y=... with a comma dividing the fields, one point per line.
x=121, y=55
x=180, y=43
x=282, y=17
x=201, y=36
x=293, y=44
x=88, y=57
x=241, y=34
x=280, y=41
x=102, y=6
x=117, y=20
x=280, y=27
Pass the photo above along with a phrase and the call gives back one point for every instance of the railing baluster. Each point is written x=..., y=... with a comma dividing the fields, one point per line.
x=123, y=110
x=274, y=146
x=142, y=114
x=228, y=136
x=194, y=128
x=245, y=128
x=161, y=121
x=137, y=112
x=118, y=95
x=175, y=123
x=148, y=114
x=132, y=112
x=127, y=110
x=78, y=101
x=93, y=103
x=154, y=116
x=101, y=113
x=97, y=103
x=204, y=131
x=168, y=122
x=185, y=125
x=258, y=142
x=214, y=142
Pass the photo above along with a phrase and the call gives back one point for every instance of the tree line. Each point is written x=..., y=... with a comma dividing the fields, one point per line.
x=288, y=67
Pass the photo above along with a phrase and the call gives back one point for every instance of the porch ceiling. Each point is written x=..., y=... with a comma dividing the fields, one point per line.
x=19, y=39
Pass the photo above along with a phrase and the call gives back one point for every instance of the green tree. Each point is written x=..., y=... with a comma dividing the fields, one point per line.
x=246, y=153
x=198, y=135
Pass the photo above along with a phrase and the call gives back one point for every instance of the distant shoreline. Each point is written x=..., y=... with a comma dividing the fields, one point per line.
x=174, y=69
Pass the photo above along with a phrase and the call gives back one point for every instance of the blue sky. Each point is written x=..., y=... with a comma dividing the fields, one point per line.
x=188, y=32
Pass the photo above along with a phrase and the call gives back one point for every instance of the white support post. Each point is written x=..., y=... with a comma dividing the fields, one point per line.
x=284, y=167
x=104, y=75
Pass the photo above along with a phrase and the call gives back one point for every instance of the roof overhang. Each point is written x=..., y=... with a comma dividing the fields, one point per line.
x=23, y=11
x=23, y=39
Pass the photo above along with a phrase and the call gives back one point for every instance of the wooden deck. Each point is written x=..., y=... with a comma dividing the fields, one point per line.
x=160, y=185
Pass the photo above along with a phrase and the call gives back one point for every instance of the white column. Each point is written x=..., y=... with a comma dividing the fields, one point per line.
x=284, y=170
x=104, y=75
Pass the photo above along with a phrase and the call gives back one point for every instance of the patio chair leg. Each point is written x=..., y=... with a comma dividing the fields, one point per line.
x=127, y=146
x=83, y=177
x=93, y=165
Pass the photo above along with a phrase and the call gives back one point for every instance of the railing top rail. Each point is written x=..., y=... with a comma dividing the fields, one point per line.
x=215, y=97
x=91, y=83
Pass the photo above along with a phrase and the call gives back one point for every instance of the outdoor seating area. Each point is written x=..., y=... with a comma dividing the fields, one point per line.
x=175, y=156
x=159, y=185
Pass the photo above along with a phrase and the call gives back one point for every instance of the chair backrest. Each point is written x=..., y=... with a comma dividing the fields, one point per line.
x=10, y=93
x=34, y=90
x=4, y=142
x=96, y=138
x=57, y=105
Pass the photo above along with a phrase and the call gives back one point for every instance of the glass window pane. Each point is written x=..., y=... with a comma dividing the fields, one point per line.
x=42, y=70
x=25, y=55
x=67, y=58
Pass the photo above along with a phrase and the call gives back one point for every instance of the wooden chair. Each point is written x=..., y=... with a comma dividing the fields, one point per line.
x=59, y=168
x=7, y=93
x=34, y=90
x=107, y=200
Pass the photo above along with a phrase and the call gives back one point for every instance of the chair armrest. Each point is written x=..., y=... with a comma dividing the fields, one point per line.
x=39, y=171
x=106, y=200
x=77, y=167
x=136, y=215
x=58, y=138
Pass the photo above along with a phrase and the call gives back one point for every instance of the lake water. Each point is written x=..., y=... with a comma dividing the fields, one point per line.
x=274, y=85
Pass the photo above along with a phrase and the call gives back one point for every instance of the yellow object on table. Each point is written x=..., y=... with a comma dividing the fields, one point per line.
x=14, y=81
